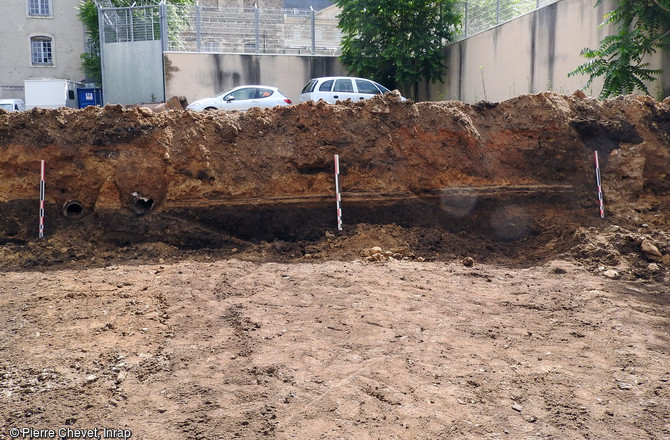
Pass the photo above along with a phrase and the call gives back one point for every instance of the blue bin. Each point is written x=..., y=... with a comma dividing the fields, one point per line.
x=89, y=97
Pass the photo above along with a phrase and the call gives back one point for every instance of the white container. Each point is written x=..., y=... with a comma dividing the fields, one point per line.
x=51, y=93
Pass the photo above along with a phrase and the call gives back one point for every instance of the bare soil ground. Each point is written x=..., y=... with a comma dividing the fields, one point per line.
x=474, y=292
x=336, y=349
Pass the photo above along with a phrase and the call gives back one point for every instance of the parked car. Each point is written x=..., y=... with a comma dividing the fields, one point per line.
x=242, y=98
x=12, y=105
x=341, y=88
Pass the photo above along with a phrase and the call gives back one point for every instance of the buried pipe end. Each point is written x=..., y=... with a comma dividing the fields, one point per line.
x=141, y=204
x=73, y=210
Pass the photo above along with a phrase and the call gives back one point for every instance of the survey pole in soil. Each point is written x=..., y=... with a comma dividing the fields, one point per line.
x=42, y=167
x=338, y=198
x=600, y=188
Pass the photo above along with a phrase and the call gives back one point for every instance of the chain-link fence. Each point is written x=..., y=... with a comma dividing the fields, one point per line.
x=481, y=15
x=195, y=28
x=253, y=30
x=138, y=23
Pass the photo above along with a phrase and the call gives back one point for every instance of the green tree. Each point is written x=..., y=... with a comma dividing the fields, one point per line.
x=643, y=28
x=90, y=60
x=396, y=42
x=88, y=14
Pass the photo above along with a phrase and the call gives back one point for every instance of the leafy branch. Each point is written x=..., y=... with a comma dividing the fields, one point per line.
x=643, y=28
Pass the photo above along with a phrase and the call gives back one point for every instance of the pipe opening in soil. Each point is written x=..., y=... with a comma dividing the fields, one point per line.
x=143, y=205
x=73, y=210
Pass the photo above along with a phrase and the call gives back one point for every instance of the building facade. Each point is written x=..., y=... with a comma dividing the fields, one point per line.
x=40, y=39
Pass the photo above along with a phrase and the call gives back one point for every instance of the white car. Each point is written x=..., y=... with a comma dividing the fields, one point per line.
x=340, y=88
x=12, y=105
x=242, y=98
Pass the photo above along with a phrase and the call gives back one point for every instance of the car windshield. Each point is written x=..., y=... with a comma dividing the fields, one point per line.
x=382, y=88
x=7, y=107
x=365, y=86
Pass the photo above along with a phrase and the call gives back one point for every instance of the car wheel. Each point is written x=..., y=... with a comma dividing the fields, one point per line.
x=210, y=108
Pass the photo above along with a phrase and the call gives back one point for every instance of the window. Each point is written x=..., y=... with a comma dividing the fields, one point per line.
x=245, y=93
x=343, y=85
x=211, y=46
x=40, y=8
x=264, y=93
x=326, y=86
x=41, y=50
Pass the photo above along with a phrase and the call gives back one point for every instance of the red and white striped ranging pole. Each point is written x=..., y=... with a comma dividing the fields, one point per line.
x=600, y=187
x=338, y=198
x=42, y=168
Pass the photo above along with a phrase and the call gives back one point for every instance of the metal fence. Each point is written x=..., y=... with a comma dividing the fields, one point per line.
x=481, y=15
x=253, y=30
x=137, y=23
x=195, y=28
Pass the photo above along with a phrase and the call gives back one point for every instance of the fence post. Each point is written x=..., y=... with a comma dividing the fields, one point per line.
x=497, y=11
x=129, y=11
x=313, y=30
x=198, y=30
x=257, y=26
x=466, y=19
x=162, y=13
x=101, y=27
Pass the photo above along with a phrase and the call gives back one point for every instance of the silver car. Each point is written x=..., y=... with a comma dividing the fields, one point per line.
x=242, y=98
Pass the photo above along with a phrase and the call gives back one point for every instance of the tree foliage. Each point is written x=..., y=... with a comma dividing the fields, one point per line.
x=90, y=60
x=396, y=42
x=643, y=28
x=88, y=14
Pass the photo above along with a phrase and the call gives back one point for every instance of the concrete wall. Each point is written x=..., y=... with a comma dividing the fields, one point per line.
x=529, y=54
x=201, y=75
x=62, y=26
x=133, y=72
